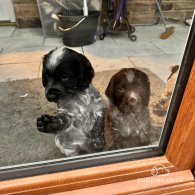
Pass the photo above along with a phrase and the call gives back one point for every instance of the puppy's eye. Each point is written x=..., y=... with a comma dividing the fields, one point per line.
x=47, y=75
x=121, y=89
x=65, y=77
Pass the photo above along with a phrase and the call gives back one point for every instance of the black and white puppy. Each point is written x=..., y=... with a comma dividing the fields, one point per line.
x=79, y=124
x=129, y=93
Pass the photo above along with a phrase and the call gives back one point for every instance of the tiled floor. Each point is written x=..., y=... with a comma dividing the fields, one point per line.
x=21, y=51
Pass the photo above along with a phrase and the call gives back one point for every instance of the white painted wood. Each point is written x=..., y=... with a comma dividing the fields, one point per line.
x=7, y=11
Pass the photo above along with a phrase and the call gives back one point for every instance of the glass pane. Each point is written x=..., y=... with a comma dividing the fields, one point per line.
x=92, y=86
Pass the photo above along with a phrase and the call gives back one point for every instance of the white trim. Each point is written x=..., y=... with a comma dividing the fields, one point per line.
x=11, y=11
x=7, y=11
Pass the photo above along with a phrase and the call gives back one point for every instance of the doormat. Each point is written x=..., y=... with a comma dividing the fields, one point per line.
x=22, y=101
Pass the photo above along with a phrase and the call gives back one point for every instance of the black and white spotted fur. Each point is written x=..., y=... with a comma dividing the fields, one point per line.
x=79, y=124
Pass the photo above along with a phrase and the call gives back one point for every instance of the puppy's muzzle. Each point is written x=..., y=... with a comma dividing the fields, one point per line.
x=53, y=94
x=131, y=100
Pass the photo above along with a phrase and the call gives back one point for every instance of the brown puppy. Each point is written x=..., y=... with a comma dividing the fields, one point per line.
x=161, y=106
x=129, y=93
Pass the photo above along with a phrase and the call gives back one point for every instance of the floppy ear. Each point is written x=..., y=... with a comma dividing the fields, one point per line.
x=86, y=72
x=109, y=90
x=145, y=94
x=44, y=61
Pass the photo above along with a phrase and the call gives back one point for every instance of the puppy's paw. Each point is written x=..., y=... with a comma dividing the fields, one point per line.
x=97, y=145
x=48, y=124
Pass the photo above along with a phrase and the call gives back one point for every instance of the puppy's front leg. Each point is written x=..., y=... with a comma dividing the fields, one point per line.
x=97, y=141
x=50, y=124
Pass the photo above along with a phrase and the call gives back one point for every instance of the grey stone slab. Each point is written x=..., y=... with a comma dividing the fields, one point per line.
x=108, y=42
x=106, y=48
x=176, y=42
x=172, y=45
x=6, y=31
x=123, y=47
x=142, y=46
x=101, y=64
x=15, y=42
x=26, y=49
x=148, y=33
x=103, y=51
x=160, y=65
x=181, y=32
x=28, y=32
x=152, y=33
x=54, y=42
x=181, y=27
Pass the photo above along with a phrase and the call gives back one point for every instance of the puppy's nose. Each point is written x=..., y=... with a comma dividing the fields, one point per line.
x=53, y=94
x=132, y=99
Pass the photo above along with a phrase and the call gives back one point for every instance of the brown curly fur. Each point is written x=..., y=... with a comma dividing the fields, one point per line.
x=161, y=106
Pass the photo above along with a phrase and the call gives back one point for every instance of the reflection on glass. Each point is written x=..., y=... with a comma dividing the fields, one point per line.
x=107, y=95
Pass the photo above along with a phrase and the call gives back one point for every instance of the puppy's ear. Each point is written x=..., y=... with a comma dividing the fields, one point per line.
x=109, y=90
x=86, y=72
x=145, y=92
x=45, y=58
x=44, y=62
